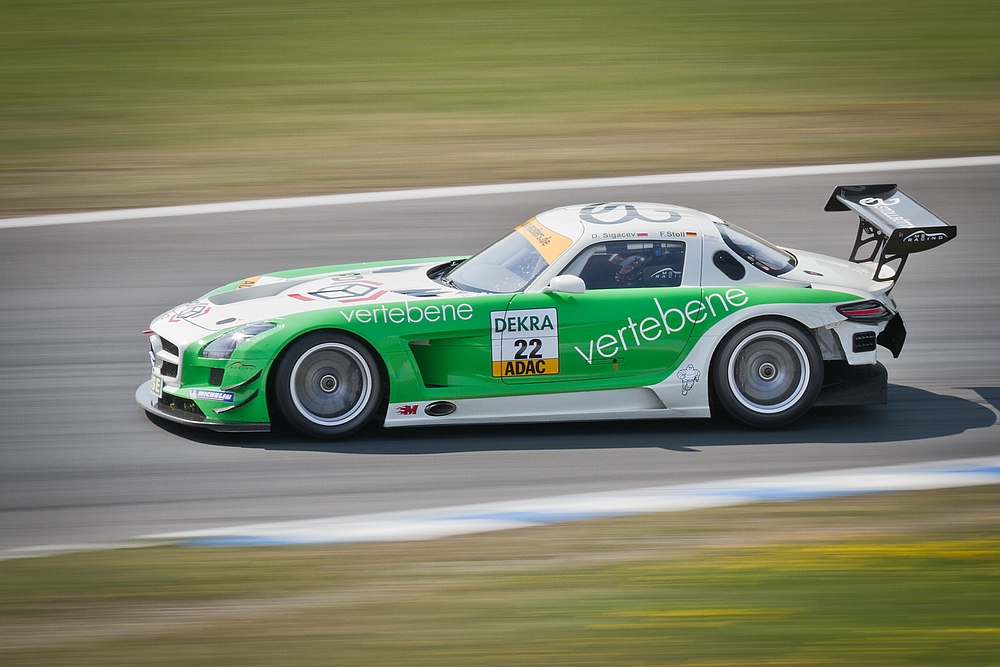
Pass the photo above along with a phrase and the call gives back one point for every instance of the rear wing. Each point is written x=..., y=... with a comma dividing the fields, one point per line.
x=893, y=225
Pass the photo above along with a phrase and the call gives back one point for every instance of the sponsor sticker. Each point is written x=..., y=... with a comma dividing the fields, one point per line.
x=666, y=274
x=548, y=244
x=688, y=376
x=670, y=320
x=885, y=207
x=406, y=312
x=525, y=342
x=212, y=395
x=156, y=385
x=407, y=410
x=921, y=236
x=616, y=214
x=361, y=290
x=344, y=292
x=188, y=311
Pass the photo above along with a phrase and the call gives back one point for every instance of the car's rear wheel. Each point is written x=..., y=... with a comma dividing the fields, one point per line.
x=767, y=373
x=328, y=385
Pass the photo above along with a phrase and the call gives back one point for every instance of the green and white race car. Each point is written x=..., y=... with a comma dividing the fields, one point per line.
x=590, y=312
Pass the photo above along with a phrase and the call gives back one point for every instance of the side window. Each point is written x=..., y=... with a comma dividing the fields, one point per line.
x=618, y=264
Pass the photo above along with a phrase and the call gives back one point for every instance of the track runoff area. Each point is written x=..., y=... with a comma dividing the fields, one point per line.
x=465, y=519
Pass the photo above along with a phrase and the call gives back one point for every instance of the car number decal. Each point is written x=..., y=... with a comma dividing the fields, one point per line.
x=525, y=342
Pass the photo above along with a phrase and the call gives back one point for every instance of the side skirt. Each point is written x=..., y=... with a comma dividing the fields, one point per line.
x=605, y=405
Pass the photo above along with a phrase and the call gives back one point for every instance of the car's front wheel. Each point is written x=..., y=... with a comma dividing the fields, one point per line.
x=767, y=373
x=328, y=385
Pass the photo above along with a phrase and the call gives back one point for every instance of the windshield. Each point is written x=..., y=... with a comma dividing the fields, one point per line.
x=512, y=263
x=763, y=255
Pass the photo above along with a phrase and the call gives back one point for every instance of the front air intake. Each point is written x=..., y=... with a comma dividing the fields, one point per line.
x=169, y=347
x=184, y=408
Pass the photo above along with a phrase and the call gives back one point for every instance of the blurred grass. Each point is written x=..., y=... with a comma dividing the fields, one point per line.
x=910, y=578
x=110, y=103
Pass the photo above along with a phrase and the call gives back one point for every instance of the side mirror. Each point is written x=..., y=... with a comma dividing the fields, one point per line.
x=566, y=285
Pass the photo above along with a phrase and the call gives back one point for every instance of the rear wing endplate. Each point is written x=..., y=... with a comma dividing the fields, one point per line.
x=893, y=225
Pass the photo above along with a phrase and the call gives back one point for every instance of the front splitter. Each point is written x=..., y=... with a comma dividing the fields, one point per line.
x=150, y=403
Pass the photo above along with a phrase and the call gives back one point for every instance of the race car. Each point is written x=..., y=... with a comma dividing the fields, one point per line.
x=589, y=312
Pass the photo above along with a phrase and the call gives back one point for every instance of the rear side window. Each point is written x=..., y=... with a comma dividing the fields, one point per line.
x=761, y=254
x=624, y=264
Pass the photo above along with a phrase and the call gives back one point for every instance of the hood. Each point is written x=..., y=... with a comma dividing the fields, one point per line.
x=280, y=294
x=831, y=271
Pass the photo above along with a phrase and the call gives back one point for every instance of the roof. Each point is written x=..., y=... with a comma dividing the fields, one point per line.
x=624, y=220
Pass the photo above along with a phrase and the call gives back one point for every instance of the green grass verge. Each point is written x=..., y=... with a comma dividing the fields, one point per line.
x=109, y=103
x=909, y=578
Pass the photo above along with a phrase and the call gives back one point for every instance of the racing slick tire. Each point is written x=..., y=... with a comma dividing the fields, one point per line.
x=767, y=373
x=328, y=385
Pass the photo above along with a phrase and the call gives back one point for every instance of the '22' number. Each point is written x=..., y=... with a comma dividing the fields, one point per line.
x=522, y=346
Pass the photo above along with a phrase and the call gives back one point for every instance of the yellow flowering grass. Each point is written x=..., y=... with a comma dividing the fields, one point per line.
x=910, y=578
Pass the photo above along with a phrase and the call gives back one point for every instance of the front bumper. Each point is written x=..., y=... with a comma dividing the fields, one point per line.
x=152, y=404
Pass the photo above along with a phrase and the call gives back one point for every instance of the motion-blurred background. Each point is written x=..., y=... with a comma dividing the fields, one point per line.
x=124, y=103
x=118, y=103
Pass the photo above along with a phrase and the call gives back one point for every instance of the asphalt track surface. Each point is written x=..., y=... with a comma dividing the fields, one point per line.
x=81, y=463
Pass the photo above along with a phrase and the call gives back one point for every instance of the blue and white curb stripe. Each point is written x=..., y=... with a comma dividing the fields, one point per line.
x=428, y=524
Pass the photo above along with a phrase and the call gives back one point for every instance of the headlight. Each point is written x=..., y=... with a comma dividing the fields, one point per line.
x=223, y=346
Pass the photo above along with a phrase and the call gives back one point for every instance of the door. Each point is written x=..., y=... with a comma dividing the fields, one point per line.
x=635, y=319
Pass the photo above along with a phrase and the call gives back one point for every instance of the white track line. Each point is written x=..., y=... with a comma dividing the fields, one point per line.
x=500, y=188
